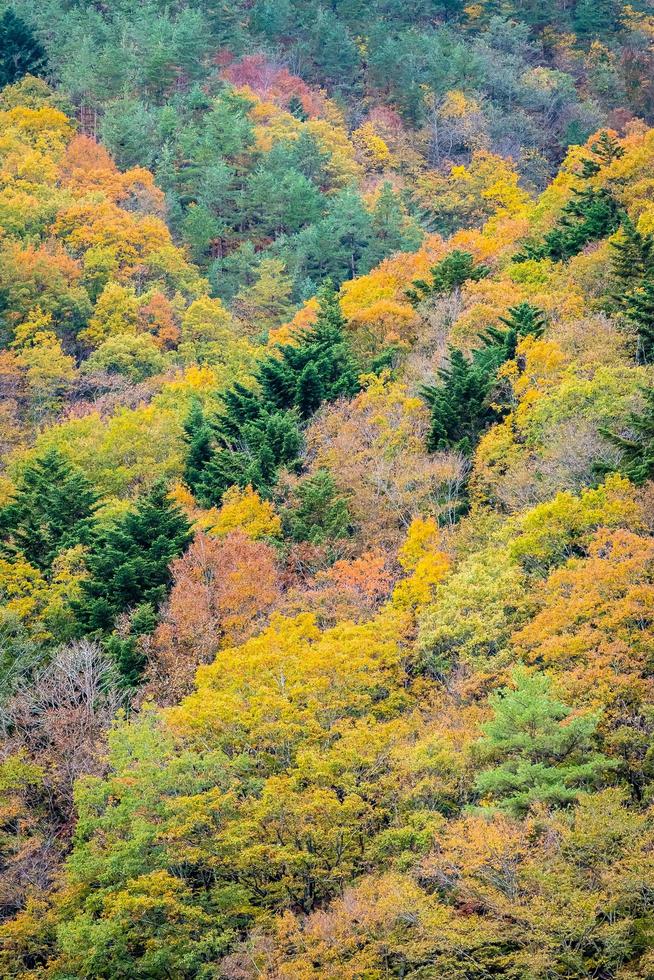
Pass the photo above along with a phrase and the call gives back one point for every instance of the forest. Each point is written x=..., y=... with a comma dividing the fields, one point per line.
x=326, y=490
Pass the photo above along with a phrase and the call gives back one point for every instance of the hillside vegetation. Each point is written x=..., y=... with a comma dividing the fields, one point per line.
x=326, y=491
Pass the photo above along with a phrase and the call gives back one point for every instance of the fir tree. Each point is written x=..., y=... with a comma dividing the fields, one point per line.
x=20, y=52
x=448, y=275
x=588, y=217
x=542, y=755
x=605, y=150
x=637, y=448
x=521, y=321
x=640, y=309
x=632, y=261
x=128, y=563
x=460, y=408
x=199, y=439
x=258, y=430
x=309, y=392
x=52, y=510
x=321, y=513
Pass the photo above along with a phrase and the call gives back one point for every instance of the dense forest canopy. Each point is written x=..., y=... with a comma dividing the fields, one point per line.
x=326, y=490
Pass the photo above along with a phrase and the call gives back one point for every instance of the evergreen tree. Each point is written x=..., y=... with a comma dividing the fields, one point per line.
x=632, y=261
x=640, y=309
x=460, y=408
x=542, y=755
x=521, y=321
x=128, y=562
x=20, y=52
x=605, y=150
x=52, y=510
x=126, y=651
x=309, y=391
x=637, y=449
x=321, y=513
x=250, y=457
x=588, y=217
x=448, y=275
x=199, y=440
x=258, y=431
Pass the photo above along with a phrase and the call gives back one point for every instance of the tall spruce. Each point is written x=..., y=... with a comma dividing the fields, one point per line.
x=258, y=430
x=20, y=51
x=460, y=402
x=128, y=562
x=636, y=444
x=198, y=436
x=460, y=408
x=590, y=215
x=448, y=275
x=52, y=510
x=632, y=261
x=640, y=310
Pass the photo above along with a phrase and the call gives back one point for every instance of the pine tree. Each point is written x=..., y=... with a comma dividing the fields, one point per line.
x=605, y=150
x=640, y=309
x=309, y=392
x=258, y=430
x=637, y=449
x=199, y=439
x=448, y=275
x=542, y=755
x=20, y=52
x=52, y=510
x=632, y=261
x=588, y=217
x=521, y=321
x=321, y=513
x=128, y=563
x=460, y=408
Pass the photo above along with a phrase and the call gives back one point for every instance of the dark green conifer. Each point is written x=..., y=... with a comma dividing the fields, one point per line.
x=460, y=408
x=199, y=440
x=637, y=444
x=321, y=513
x=641, y=310
x=52, y=510
x=309, y=392
x=588, y=217
x=448, y=275
x=128, y=562
x=632, y=261
x=20, y=52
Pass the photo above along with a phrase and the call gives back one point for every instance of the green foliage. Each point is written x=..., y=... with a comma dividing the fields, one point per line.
x=605, y=150
x=320, y=513
x=637, y=444
x=51, y=511
x=542, y=752
x=128, y=561
x=589, y=216
x=198, y=436
x=20, y=52
x=640, y=309
x=258, y=431
x=136, y=358
x=460, y=406
x=632, y=262
x=448, y=275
